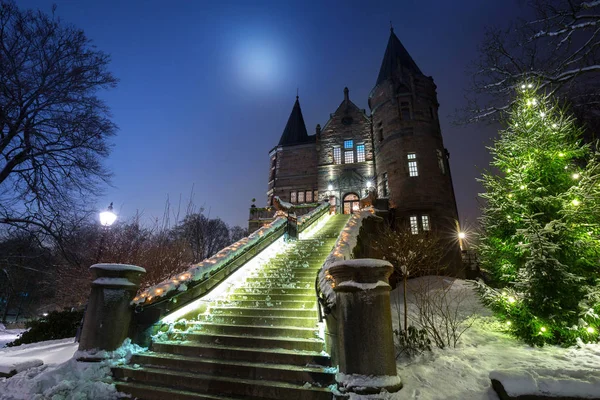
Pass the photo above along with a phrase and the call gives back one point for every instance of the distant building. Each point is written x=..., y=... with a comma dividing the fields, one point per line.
x=397, y=150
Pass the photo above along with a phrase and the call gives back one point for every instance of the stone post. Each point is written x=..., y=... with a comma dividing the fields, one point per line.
x=366, y=354
x=109, y=312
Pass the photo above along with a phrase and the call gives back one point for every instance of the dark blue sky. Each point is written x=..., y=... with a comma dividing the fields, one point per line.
x=206, y=87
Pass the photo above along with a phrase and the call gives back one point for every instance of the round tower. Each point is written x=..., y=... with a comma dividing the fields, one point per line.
x=412, y=163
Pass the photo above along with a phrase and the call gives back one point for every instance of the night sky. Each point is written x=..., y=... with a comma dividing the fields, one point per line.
x=206, y=87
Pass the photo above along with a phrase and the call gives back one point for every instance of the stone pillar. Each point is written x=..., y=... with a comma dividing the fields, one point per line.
x=109, y=312
x=366, y=354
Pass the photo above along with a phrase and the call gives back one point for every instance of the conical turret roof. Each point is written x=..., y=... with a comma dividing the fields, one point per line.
x=295, y=129
x=395, y=56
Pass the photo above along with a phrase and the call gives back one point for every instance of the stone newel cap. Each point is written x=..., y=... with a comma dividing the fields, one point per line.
x=118, y=267
x=360, y=274
x=363, y=263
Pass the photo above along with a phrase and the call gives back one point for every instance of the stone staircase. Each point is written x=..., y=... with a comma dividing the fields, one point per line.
x=259, y=342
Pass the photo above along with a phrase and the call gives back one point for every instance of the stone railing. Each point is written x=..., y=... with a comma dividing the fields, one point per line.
x=174, y=293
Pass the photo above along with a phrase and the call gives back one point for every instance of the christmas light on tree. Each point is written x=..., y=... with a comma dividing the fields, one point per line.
x=540, y=226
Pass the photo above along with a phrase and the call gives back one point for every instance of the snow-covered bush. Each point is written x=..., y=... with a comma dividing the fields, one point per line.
x=55, y=325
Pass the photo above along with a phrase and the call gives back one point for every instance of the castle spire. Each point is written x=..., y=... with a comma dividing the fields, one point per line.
x=395, y=57
x=295, y=129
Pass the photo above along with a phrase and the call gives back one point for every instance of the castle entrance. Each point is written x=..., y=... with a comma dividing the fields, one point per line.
x=351, y=203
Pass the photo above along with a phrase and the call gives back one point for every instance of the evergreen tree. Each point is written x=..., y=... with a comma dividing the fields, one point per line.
x=540, y=225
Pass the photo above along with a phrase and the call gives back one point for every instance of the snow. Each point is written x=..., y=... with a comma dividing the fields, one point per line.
x=363, y=262
x=355, y=381
x=30, y=355
x=463, y=373
x=9, y=335
x=67, y=378
x=363, y=286
x=118, y=267
x=545, y=382
x=113, y=282
x=17, y=364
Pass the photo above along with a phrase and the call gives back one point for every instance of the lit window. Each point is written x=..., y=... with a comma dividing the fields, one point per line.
x=440, y=157
x=411, y=156
x=412, y=168
x=349, y=157
x=425, y=222
x=309, y=197
x=384, y=185
x=293, y=197
x=414, y=225
x=337, y=155
x=300, y=197
x=405, y=111
x=360, y=153
x=348, y=144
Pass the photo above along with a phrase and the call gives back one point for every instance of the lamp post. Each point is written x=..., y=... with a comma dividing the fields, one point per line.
x=107, y=218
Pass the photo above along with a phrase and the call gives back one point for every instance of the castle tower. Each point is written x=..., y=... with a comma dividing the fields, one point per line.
x=293, y=163
x=412, y=164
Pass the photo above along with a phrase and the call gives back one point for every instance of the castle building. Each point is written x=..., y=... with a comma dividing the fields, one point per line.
x=396, y=150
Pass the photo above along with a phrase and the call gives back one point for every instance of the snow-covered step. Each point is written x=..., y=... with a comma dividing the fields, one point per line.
x=275, y=290
x=239, y=347
x=251, y=330
x=139, y=390
x=267, y=311
x=292, y=304
x=210, y=383
x=239, y=369
x=272, y=297
x=273, y=320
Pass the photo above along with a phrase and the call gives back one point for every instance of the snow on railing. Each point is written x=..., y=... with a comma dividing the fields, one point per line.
x=345, y=244
x=307, y=218
x=206, y=268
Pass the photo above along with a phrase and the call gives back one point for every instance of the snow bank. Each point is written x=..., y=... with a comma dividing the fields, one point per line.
x=204, y=269
x=70, y=380
x=549, y=382
x=17, y=364
x=463, y=373
x=342, y=250
x=357, y=382
x=9, y=335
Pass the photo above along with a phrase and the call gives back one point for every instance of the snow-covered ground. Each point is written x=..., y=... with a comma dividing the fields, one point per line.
x=61, y=376
x=461, y=373
x=464, y=372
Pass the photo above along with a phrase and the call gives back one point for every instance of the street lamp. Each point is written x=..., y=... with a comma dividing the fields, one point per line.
x=107, y=218
x=461, y=236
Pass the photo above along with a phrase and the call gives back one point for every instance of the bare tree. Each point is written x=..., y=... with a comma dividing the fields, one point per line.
x=557, y=48
x=53, y=127
x=205, y=236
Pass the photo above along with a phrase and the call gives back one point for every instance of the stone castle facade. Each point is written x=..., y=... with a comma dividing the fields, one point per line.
x=397, y=150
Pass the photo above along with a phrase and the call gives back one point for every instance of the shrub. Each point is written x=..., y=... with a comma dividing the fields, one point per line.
x=56, y=325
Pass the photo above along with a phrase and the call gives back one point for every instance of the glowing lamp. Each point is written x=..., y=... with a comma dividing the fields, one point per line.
x=107, y=218
x=369, y=184
x=575, y=202
x=511, y=299
x=508, y=323
x=543, y=329
x=590, y=329
x=330, y=187
x=575, y=176
x=462, y=235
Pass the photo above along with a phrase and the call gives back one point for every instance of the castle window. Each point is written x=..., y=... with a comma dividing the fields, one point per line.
x=337, y=155
x=414, y=225
x=300, y=197
x=348, y=144
x=360, y=153
x=293, y=197
x=309, y=196
x=384, y=185
x=425, y=222
x=348, y=156
x=440, y=158
x=412, y=164
x=405, y=111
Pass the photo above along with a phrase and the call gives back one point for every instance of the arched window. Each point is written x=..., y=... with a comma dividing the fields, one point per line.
x=351, y=203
